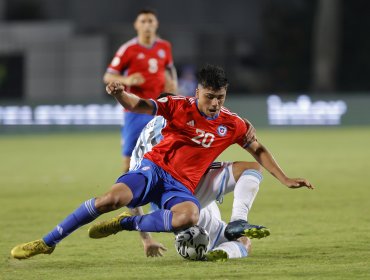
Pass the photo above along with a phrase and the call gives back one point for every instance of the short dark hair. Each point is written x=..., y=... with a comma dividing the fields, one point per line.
x=165, y=94
x=146, y=11
x=212, y=76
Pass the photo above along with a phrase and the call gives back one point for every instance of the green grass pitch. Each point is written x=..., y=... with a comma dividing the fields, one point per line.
x=319, y=234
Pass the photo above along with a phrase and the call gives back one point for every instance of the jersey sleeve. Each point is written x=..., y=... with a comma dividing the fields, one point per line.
x=167, y=106
x=120, y=61
x=243, y=127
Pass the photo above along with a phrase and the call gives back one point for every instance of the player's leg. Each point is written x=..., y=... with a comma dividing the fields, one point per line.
x=125, y=163
x=219, y=248
x=119, y=195
x=240, y=248
x=180, y=216
x=179, y=208
x=248, y=176
x=185, y=215
x=133, y=125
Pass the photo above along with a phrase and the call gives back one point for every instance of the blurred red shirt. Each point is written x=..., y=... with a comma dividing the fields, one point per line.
x=151, y=62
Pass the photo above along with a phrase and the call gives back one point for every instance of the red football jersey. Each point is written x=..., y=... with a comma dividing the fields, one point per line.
x=193, y=141
x=151, y=62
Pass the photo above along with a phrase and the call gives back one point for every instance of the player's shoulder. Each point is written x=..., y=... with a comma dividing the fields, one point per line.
x=181, y=98
x=128, y=45
x=177, y=100
x=227, y=113
x=186, y=100
x=231, y=116
x=163, y=42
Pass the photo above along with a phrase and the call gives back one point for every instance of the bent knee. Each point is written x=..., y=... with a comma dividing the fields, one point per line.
x=185, y=219
x=118, y=197
x=240, y=166
x=107, y=202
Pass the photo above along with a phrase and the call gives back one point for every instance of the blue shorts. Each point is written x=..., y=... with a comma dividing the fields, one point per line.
x=157, y=186
x=132, y=127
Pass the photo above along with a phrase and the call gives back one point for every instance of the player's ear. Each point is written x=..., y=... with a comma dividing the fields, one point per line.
x=197, y=93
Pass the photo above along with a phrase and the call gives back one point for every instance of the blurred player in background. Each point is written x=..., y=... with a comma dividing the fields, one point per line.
x=145, y=66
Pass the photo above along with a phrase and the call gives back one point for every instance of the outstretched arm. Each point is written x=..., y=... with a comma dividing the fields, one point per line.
x=128, y=100
x=266, y=159
x=135, y=79
x=152, y=248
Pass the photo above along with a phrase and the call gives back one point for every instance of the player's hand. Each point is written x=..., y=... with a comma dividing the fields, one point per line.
x=153, y=248
x=115, y=88
x=295, y=183
x=135, y=79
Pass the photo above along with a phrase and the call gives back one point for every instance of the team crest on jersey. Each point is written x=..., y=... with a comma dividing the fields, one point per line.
x=163, y=99
x=161, y=53
x=140, y=56
x=222, y=130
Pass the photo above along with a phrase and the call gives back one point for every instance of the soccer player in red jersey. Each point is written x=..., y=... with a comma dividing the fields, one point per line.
x=198, y=130
x=141, y=65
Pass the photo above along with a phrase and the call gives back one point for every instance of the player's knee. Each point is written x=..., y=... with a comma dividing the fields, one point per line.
x=184, y=220
x=114, y=199
x=252, y=165
x=193, y=218
x=257, y=167
x=242, y=166
x=107, y=202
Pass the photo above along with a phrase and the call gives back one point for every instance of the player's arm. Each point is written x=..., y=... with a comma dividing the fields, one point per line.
x=266, y=159
x=130, y=101
x=134, y=79
x=152, y=248
x=171, y=79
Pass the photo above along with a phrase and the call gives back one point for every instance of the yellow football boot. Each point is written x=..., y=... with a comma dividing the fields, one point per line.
x=106, y=228
x=27, y=250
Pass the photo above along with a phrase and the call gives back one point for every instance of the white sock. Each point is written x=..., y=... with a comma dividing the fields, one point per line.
x=244, y=194
x=233, y=249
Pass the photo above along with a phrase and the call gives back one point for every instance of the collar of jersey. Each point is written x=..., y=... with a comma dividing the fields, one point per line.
x=204, y=115
x=155, y=42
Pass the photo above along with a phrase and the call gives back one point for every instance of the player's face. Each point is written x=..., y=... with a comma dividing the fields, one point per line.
x=146, y=25
x=210, y=101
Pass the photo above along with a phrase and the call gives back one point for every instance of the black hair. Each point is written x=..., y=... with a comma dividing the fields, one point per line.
x=165, y=94
x=146, y=11
x=212, y=77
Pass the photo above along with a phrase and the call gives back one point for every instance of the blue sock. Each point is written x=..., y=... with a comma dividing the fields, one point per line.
x=81, y=216
x=157, y=221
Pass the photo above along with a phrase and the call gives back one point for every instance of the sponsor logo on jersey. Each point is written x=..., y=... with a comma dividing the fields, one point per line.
x=140, y=56
x=161, y=53
x=222, y=130
x=145, y=168
x=191, y=123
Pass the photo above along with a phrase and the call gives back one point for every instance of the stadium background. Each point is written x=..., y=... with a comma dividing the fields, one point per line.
x=298, y=70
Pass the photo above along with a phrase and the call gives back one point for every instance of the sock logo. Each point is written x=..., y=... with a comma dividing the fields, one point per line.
x=60, y=229
x=137, y=227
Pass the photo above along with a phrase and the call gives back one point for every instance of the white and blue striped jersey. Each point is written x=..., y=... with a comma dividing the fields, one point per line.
x=149, y=137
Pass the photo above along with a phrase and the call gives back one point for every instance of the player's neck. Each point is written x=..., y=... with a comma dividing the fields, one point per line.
x=146, y=41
